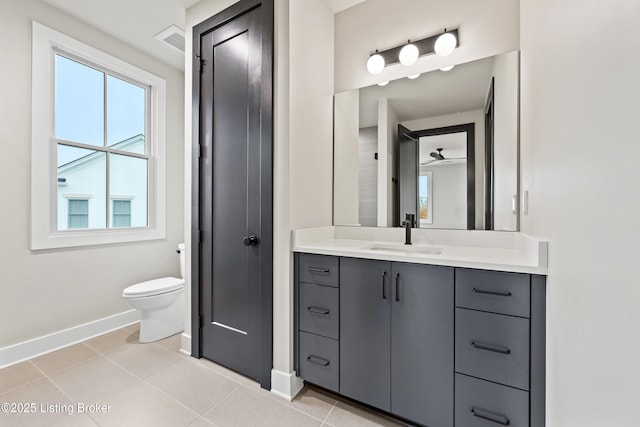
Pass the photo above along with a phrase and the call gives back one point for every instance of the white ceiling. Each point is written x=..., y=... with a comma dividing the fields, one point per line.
x=135, y=22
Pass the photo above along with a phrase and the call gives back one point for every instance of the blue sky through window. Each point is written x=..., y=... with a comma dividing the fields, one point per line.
x=79, y=106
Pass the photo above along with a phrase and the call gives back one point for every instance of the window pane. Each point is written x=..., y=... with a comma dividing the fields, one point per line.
x=128, y=180
x=125, y=115
x=82, y=176
x=79, y=113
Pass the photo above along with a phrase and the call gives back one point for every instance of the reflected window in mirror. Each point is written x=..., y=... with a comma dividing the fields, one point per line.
x=425, y=200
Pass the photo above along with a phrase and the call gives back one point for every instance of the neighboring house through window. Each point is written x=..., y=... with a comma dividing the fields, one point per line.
x=98, y=128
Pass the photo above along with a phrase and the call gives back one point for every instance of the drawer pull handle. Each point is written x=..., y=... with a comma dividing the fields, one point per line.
x=397, y=287
x=490, y=347
x=318, y=310
x=318, y=270
x=494, y=418
x=384, y=289
x=318, y=360
x=497, y=293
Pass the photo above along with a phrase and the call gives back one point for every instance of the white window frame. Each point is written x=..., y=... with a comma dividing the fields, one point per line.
x=46, y=43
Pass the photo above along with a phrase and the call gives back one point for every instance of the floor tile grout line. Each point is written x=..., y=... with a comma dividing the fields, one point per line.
x=329, y=413
x=287, y=404
x=182, y=404
x=219, y=403
x=61, y=390
x=26, y=383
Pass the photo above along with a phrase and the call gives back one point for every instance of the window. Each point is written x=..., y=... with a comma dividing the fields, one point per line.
x=97, y=131
x=121, y=212
x=78, y=213
x=425, y=199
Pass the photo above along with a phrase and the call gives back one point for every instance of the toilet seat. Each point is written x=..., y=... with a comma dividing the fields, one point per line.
x=153, y=287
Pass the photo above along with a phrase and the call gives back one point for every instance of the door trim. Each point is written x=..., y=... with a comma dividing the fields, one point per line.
x=266, y=182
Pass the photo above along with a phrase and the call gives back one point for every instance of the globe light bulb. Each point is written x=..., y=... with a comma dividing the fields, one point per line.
x=375, y=64
x=445, y=44
x=447, y=68
x=413, y=76
x=383, y=83
x=408, y=54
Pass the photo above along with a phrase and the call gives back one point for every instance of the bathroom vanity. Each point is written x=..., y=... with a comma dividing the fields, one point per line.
x=449, y=331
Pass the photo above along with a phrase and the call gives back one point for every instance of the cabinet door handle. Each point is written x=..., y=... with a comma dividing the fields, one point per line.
x=497, y=293
x=397, y=287
x=318, y=310
x=489, y=416
x=318, y=270
x=490, y=347
x=384, y=289
x=318, y=360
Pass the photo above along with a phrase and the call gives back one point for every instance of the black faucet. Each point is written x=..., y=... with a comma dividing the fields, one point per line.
x=409, y=221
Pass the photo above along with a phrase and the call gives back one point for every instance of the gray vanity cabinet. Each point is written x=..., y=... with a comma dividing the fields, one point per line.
x=438, y=346
x=396, y=329
x=422, y=343
x=365, y=328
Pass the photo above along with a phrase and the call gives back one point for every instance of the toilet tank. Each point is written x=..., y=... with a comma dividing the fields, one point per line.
x=182, y=255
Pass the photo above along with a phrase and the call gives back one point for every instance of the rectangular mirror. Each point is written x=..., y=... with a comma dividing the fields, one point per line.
x=442, y=146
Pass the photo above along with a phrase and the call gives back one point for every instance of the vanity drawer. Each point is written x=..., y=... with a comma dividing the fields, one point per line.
x=493, y=347
x=494, y=291
x=319, y=360
x=319, y=269
x=482, y=404
x=319, y=310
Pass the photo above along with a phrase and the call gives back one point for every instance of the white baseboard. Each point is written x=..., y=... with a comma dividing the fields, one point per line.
x=285, y=385
x=185, y=344
x=26, y=350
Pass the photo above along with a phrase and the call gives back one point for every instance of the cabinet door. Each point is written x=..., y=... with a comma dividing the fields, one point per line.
x=422, y=344
x=364, y=331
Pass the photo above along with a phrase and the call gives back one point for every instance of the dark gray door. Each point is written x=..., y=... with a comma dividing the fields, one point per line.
x=407, y=173
x=231, y=204
x=365, y=355
x=422, y=343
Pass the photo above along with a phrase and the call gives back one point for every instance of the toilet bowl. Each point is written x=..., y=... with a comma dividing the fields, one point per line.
x=161, y=304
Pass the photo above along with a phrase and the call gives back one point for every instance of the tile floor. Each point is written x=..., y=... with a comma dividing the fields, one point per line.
x=113, y=380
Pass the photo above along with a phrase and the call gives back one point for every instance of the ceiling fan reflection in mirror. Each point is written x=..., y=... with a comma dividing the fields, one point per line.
x=440, y=158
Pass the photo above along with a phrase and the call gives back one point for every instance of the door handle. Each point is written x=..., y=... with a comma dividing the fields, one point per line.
x=250, y=240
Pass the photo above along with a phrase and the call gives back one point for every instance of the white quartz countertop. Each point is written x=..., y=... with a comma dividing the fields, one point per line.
x=488, y=250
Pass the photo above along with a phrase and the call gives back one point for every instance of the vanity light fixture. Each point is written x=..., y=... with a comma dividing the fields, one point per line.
x=376, y=63
x=413, y=76
x=447, y=68
x=441, y=44
x=408, y=54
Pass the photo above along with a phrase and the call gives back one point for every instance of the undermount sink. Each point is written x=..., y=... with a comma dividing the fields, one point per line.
x=412, y=249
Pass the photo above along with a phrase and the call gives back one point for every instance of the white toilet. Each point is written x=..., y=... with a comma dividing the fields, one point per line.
x=161, y=302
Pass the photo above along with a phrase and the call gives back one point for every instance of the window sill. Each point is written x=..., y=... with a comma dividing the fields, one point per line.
x=70, y=239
